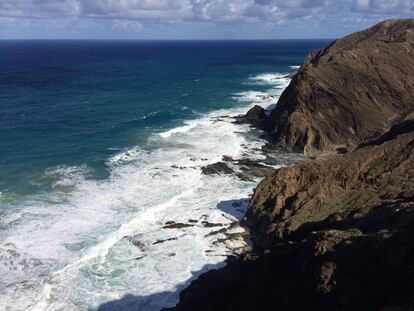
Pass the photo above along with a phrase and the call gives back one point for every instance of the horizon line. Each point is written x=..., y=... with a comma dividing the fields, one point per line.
x=159, y=40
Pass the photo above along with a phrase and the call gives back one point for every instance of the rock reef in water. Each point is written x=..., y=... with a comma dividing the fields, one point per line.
x=255, y=116
x=336, y=233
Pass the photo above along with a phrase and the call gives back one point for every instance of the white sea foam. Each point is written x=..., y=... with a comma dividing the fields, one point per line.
x=252, y=96
x=65, y=176
x=92, y=241
x=276, y=80
x=76, y=238
x=268, y=78
x=295, y=67
x=264, y=99
x=182, y=129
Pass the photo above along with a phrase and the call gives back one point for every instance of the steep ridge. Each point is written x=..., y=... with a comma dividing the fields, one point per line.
x=344, y=187
x=348, y=92
x=332, y=234
x=335, y=233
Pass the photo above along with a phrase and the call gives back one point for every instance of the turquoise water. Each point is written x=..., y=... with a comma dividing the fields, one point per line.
x=73, y=103
x=102, y=140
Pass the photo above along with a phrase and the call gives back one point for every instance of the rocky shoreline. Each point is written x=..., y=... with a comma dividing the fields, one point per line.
x=336, y=232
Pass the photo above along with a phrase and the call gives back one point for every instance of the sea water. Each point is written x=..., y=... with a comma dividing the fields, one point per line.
x=102, y=144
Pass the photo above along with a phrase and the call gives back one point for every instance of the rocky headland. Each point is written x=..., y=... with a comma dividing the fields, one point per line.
x=335, y=232
x=351, y=91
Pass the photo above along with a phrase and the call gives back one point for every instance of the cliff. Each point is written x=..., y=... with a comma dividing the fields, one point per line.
x=339, y=188
x=335, y=233
x=338, y=233
x=351, y=91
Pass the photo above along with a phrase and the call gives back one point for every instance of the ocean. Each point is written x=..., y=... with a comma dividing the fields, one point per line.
x=102, y=144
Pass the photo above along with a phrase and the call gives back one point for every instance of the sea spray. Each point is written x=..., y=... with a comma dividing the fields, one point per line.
x=136, y=233
x=80, y=251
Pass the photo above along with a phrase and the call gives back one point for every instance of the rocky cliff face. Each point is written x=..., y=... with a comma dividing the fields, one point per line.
x=335, y=233
x=338, y=234
x=350, y=91
x=340, y=188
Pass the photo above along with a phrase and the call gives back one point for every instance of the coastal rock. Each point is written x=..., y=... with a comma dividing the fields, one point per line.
x=292, y=74
x=354, y=272
x=165, y=240
x=346, y=188
x=354, y=89
x=331, y=234
x=336, y=232
x=136, y=243
x=255, y=116
x=218, y=168
x=244, y=168
x=176, y=225
x=207, y=224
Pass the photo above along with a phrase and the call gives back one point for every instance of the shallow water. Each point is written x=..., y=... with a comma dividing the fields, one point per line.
x=103, y=145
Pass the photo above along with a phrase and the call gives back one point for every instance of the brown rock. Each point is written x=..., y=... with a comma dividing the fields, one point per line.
x=255, y=114
x=218, y=168
x=348, y=92
x=175, y=225
x=339, y=187
x=362, y=272
x=336, y=233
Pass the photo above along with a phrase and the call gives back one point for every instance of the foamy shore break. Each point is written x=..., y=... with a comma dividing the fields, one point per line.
x=336, y=232
x=157, y=234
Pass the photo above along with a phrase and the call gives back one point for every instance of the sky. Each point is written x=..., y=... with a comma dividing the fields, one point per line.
x=193, y=19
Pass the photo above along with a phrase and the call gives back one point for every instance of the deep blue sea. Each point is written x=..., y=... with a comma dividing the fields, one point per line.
x=102, y=142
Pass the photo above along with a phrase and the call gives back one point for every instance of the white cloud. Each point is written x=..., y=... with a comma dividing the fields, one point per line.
x=138, y=14
x=384, y=6
x=137, y=9
x=125, y=25
x=162, y=9
x=39, y=8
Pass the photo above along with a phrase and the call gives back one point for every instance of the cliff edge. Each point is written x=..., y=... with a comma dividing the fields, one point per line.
x=335, y=233
x=332, y=234
x=351, y=91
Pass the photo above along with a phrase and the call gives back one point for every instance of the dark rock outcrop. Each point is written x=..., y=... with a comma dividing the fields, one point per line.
x=175, y=225
x=336, y=233
x=218, y=168
x=255, y=116
x=348, y=92
x=344, y=187
x=332, y=270
x=332, y=234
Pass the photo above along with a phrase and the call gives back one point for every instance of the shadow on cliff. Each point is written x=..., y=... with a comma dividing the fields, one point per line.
x=153, y=302
x=235, y=208
x=386, y=215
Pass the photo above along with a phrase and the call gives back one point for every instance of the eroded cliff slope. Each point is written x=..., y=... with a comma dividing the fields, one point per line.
x=350, y=91
x=338, y=235
x=335, y=233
